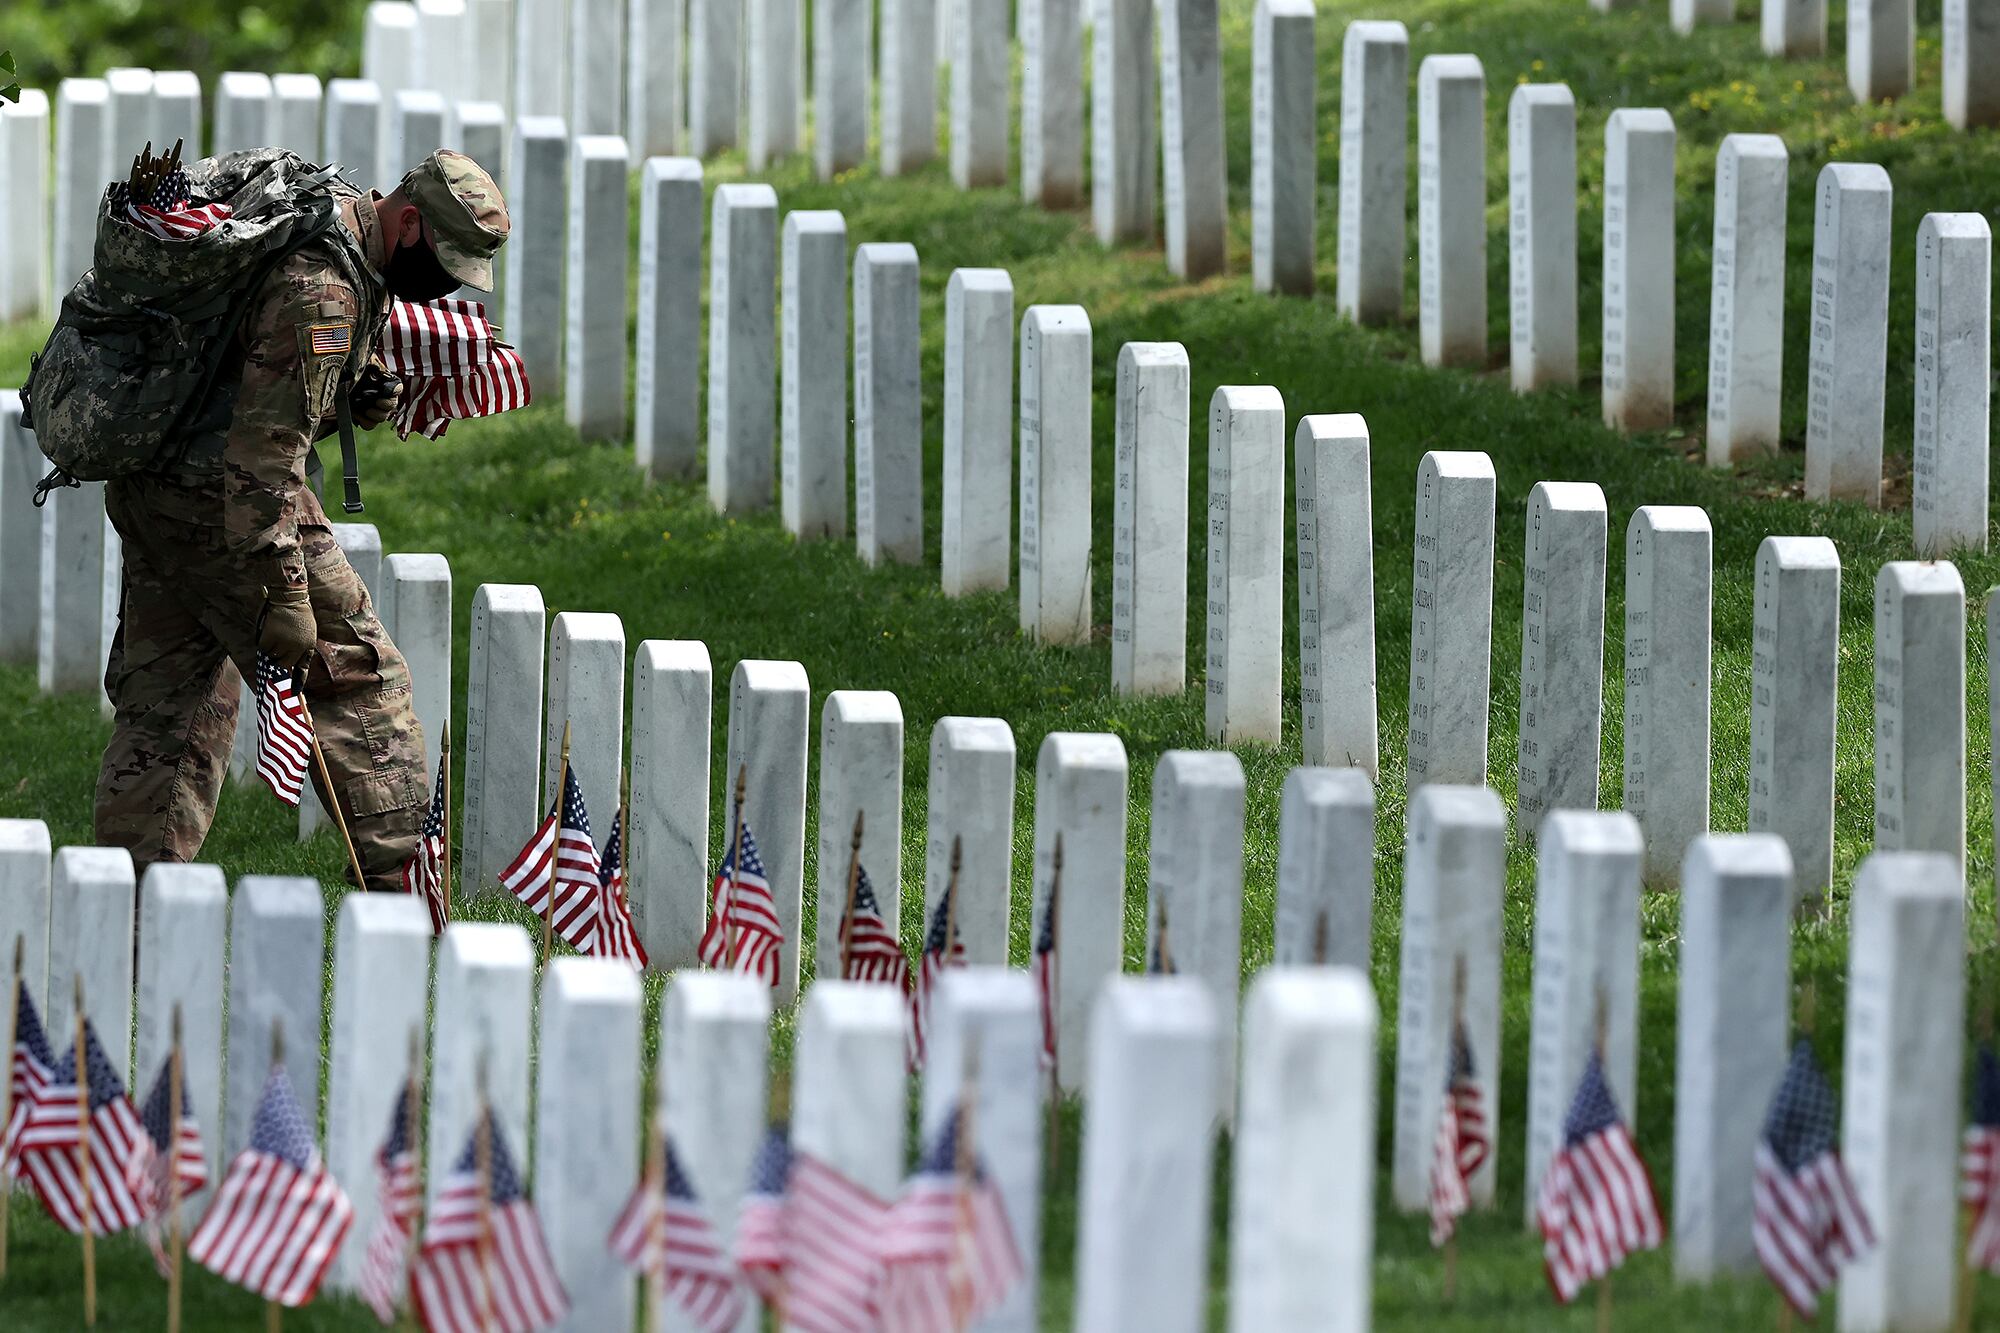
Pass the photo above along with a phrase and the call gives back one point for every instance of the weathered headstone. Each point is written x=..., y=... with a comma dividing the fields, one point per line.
x=1541, y=235
x=83, y=120
x=183, y=912
x=1284, y=148
x=812, y=477
x=1080, y=782
x=1920, y=709
x=1451, y=619
x=1149, y=521
x=354, y=131
x=1374, y=146
x=389, y=61
x=443, y=40
x=1948, y=457
x=1302, y=1220
x=243, y=114
x=860, y=773
x=849, y=1104
x=177, y=113
x=1246, y=564
x=1735, y=1008
x=1326, y=868
x=537, y=252
x=715, y=71
x=1850, y=333
x=503, y=728
x=1881, y=57
x=978, y=430
x=666, y=849
x=742, y=346
x=1055, y=473
x=599, y=221
x=1124, y=151
x=586, y=699
x=1586, y=984
x=22, y=465
x=1795, y=28
x=381, y=988
x=485, y=986
x=774, y=35
x=1454, y=886
x=587, y=1130
x=1971, y=53
x=1794, y=693
x=24, y=902
x=1194, y=883
x=596, y=68
x=24, y=229
x=1451, y=210
x=1336, y=563
x=981, y=87
x=1052, y=102
x=1900, y=1104
x=1669, y=571
x=909, y=84
x=1746, y=348
x=416, y=129
x=90, y=936
x=655, y=106
x=1143, y=1211
x=971, y=803
x=1639, y=269
x=129, y=123
x=295, y=113
x=277, y=958
x=1191, y=129
x=767, y=741
x=888, y=406
x=416, y=600
x=75, y=555
x=667, y=397
x=1562, y=651
x=1686, y=15
x=489, y=50
x=840, y=54
x=991, y=1014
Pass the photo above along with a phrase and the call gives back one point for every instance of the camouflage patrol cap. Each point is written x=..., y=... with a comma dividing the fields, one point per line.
x=467, y=215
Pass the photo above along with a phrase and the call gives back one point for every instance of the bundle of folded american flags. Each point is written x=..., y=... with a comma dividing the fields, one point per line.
x=452, y=365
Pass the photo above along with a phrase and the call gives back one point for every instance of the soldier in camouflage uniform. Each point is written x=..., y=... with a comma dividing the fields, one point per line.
x=231, y=554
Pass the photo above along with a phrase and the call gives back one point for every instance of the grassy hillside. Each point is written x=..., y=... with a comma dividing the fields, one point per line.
x=521, y=499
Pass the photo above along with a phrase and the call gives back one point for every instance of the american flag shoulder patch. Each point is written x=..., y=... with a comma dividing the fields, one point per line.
x=332, y=339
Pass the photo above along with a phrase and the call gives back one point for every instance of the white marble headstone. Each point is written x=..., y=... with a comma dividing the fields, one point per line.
x=503, y=728
x=1669, y=572
x=594, y=346
x=1971, y=53
x=1246, y=564
x=537, y=249
x=978, y=430
x=1051, y=33
x=1055, y=473
x=850, y=1086
x=970, y=801
x=1746, y=346
x=25, y=905
x=485, y=986
x=1451, y=210
x=1920, y=708
x=768, y=704
x=909, y=83
x=183, y=915
x=1794, y=693
x=24, y=233
x=812, y=475
x=860, y=773
x=1639, y=268
x=1080, y=786
x=1191, y=132
x=243, y=114
x=82, y=168
x=841, y=47
x=22, y=465
x=1562, y=651
x=715, y=72
x=1949, y=459
x=667, y=394
x=586, y=698
x=742, y=346
x=666, y=849
x=353, y=132
x=774, y=36
x=1326, y=868
x=1336, y=576
x=1451, y=619
x=277, y=960
x=888, y=405
x=1124, y=148
x=1541, y=235
x=1850, y=333
x=1284, y=149
x=1374, y=148
x=981, y=87
x=1881, y=57
x=655, y=86
x=1149, y=574
x=1195, y=881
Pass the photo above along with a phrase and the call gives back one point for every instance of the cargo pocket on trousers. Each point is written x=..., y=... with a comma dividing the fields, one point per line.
x=351, y=661
x=382, y=793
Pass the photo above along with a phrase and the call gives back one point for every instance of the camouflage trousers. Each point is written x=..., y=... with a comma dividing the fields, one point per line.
x=187, y=628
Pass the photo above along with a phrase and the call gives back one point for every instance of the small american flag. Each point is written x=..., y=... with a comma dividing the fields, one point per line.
x=1981, y=1162
x=742, y=915
x=948, y=1251
x=561, y=859
x=614, y=936
x=664, y=1233
x=167, y=1151
x=1045, y=975
x=832, y=1258
x=279, y=1216
x=942, y=949
x=871, y=949
x=452, y=364
x=284, y=732
x=760, y=1221
x=49, y=1144
x=485, y=1265
x=168, y=210
x=1462, y=1143
x=424, y=873
x=1596, y=1203
x=399, y=1192
x=1808, y=1220
x=31, y=1068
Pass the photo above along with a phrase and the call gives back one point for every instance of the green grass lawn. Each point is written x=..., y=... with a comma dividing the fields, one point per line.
x=521, y=499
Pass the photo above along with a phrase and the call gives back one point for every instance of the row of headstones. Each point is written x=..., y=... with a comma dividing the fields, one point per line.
x=1881, y=45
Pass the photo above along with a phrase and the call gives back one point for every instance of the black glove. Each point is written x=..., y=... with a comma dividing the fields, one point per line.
x=374, y=396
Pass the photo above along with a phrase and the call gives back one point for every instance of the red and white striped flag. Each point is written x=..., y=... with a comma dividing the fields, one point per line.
x=760, y=1219
x=423, y=874
x=169, y=210
x=615, y=936
x=943, y=948
x=31, y=1067
x=284, y=732
x=1980, y=1163
x=871, y=950
x=742, y=916
x=948, y=1250
x=1596, y=1203
x=832, y=1254
x=169, y=1151
x=664, y=1233
x=485, y=1266
x=399, y=1192
x=49, y=1138
x=1462, y=1144
x=279, y=1217
x=1045, y=975
x=561, y=860
x=1808, y=1222
x=452, y=364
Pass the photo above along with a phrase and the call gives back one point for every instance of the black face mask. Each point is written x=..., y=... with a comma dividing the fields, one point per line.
x=414, y=274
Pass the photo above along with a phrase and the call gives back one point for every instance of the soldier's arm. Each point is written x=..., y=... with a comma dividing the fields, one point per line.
x=297, y=336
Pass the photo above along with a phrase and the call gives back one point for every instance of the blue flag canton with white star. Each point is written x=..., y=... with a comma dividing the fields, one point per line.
x=943, y=930
x=398, y=1141
x=280, y=1128
x=28, y=1030
x=154, y=1114
x=773, y=1165
x=269, y=673
x=678, y=1184
x=609, y=861
x=864, y=893
x=434, y=817
x=503, y=1182
x=751, y=864
x=1462, y=1069
x=1594, y=1109
x=573, y=814
x=1804, y=1119
x=1986, y=1088
x=105, y=1085
x=1045, y=935
x=941, y=1156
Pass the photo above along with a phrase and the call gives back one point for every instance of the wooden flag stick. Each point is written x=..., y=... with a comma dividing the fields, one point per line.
x=625, y=859
x=332, y=799
x=1604, y=1305
x=444, y=777
x=412, y=1127
x=274, y=1313
x=1784, y=1315
x=549, y=907
x=951, y=901
x=13, y=1012
x=175, y=1064
x=780, y=1113
x=736, y=867
x=656, y=1224
x=959, y=1279
x=1601, y=1027
x=83, y=1162
x=1055, y=969
x=1162, y=946
x=1457, y=1017
x=1320, y=940
x=482, y=1156
x=1968, y=1270
x=853, y=893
